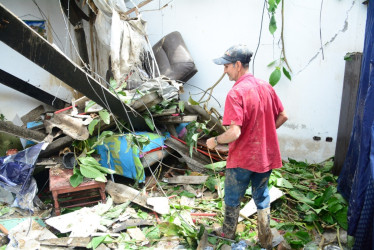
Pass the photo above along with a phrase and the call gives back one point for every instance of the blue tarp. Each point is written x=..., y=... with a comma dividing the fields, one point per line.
x=356, y=180
x=126, y=161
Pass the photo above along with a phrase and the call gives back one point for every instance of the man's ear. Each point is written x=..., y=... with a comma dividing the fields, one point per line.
x=238, y=65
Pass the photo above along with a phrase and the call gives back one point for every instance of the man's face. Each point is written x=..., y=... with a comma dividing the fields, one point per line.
x=231, y=71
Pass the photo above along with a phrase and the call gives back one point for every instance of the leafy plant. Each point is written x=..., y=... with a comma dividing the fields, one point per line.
x=194, y=129
x=312, y=200
x=276, y=75
x=2, y=117
x=90, y=168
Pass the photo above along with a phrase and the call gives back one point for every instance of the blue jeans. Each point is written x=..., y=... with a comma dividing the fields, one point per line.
x=237, y=181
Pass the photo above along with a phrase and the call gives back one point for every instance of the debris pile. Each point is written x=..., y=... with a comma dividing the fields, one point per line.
x=127, y=165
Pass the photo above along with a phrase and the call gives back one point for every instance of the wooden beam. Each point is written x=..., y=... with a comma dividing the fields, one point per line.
x=347, y=109
x=20, y=132
x=20, y=37
x=28, y=89
x=139, y=6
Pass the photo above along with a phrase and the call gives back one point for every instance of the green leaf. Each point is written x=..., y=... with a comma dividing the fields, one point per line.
x=327, y=218
x=272, y=63
x=113, y=83
x=142, y=215
x=281, y=182
x=286, y=73
x=96, y=241
x=272, y=6
x=348, y=56
x=195, y=137
x=275, y=77
x=76, y=179
x=212, y=240
x=192, y=102
x=341, y=218
x=299, y=196
x=211, y=183
x=149, y=122
x=272, y=24
x=187, y=194
x=303, y=236
x=89, y=105
x=310, y=217
x=105, y=116
x=181, y=106
x=169, y=229
x=92, y=125
x=217, y=166
x=104, y=170
x=90, y=172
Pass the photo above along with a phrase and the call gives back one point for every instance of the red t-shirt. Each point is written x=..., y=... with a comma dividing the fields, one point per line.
x=253, y=105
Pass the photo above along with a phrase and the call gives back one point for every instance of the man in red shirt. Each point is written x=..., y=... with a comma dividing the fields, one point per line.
x=253, y=112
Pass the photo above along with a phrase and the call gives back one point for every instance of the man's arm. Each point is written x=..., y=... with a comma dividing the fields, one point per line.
x=230, y=135
x=282, y=118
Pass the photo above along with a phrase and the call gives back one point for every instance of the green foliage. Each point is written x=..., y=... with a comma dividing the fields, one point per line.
x=149, y=122
x=137, y=141
x=211, y=183
x=217, y=166
x=187, y=194
x=2, y=117
x=96, y=241
x=92, y=125
x=272, y=7
x=297, y=239
x=192, y=102
x=275, y=76
x=194, y=129
x=312, y=199
x=90, y=168
x=105, y=116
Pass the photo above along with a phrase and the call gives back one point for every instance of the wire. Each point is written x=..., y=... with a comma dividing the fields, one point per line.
x=259, y=38
x=49, y=23
x=320, y=30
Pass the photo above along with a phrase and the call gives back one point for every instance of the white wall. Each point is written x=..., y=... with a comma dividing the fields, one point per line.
x=13, y=102
x=312, y=99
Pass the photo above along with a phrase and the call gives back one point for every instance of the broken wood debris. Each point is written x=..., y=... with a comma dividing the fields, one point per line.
x=186, y=180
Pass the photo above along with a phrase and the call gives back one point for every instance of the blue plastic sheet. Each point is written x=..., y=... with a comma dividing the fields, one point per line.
x=356, y=180
x=16, y=176
x=126, y=162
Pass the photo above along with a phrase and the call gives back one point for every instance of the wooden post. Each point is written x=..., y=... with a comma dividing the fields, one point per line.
x=347, y=109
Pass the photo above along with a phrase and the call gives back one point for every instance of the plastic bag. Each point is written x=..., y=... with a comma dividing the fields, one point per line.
x=16, y=176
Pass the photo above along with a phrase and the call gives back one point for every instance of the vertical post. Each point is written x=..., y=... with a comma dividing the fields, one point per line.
x=347, y=109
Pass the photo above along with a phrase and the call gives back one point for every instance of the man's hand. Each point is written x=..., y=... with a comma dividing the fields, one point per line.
x=210, y=143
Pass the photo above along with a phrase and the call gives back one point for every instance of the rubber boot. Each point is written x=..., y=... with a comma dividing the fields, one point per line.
x=230, y=222
x=263, y=224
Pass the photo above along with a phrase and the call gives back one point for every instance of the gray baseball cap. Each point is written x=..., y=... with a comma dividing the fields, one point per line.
x=235, y=53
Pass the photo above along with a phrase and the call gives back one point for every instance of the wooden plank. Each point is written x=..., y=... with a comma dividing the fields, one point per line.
x=176, y=119
x=139, y=6
x=186, y=180
x=28, y=89
x=20, y=132
x=347, y=109
x=20, y=37
x=67, y=242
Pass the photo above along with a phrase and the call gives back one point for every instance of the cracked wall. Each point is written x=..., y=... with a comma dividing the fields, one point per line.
x=312, y=99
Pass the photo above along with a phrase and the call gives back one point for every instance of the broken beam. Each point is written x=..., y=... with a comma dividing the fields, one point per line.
x=28, y=89
x=27, y=134
x=20, y=37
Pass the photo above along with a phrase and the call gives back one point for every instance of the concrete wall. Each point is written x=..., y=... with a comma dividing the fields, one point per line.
x=14, y=103
x=312, y=99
